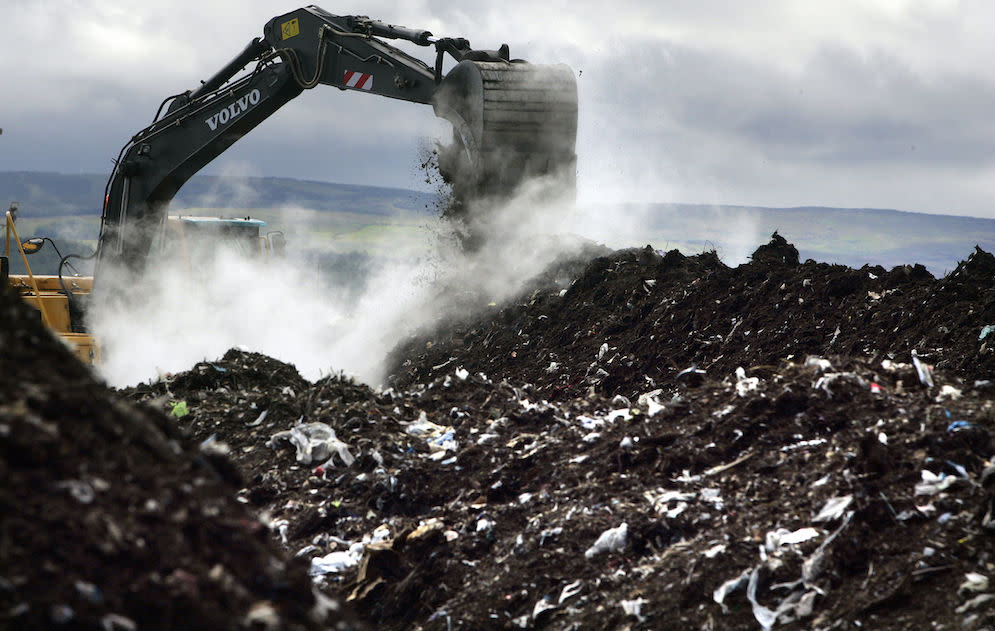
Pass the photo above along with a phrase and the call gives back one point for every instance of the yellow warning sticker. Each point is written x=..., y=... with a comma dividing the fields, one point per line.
x=290, y=28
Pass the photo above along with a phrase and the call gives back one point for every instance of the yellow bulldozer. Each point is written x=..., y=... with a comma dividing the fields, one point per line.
x=61, y=298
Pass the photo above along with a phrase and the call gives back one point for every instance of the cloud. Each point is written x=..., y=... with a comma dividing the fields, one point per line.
x=853, y=103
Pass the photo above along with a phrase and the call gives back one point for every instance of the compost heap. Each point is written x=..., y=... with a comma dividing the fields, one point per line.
x=110, y=519
x=651, y=441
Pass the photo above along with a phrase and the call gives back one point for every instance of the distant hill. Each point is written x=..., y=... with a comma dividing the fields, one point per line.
x=58, y=194
x=850, y=236
x=345, y=218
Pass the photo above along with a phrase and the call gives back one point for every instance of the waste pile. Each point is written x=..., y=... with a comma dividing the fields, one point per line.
x=111, y=519
x=662, y=442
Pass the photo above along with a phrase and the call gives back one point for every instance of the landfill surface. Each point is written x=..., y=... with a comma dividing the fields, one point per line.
x=112, y=519
x=641, y=440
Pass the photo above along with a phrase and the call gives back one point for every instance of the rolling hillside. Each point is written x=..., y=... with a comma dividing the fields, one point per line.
x=344, y=219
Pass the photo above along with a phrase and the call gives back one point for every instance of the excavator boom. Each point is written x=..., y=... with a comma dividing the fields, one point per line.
x=511, y=120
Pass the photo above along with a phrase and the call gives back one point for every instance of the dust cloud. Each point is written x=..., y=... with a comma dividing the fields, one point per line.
x=280, y=307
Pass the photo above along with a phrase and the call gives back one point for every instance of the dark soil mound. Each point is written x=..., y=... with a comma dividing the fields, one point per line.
x=657, y=315
x=113, y=520
x=852, y=491
x=645, y=441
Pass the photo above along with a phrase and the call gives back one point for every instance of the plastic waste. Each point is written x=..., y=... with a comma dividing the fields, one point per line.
x=117, y=622
x=81, y=491
x=975, y=603
x=692, y=376
x=818, y=362
x=745, y=384
x=933, y=483
x=731, y=586
x=259, y=419
x=611, y=540
x=634, y=608
x=180, y=409
x=337, y=561
x=974, y=582
x=543, y=604
x=570, y=590
x=62, y=614
x=313, y=442
x=784, y=537
x=948, y=392
x=668, y=503
x=833, y=509
x=986, y=331
x=924, y=370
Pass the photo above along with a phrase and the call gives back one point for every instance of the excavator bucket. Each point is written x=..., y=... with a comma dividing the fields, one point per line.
x=512, y=121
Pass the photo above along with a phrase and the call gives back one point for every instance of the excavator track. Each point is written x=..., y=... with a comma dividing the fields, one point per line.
x=512, y=121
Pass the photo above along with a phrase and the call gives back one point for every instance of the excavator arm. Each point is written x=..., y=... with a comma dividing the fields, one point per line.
x=511, y=120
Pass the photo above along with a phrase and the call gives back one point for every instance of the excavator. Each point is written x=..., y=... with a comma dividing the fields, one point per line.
x=512, y=121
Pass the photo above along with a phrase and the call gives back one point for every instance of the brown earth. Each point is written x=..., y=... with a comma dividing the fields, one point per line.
x=480, y=482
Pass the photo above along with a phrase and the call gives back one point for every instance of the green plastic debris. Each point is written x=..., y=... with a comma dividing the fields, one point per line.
x=180, y=409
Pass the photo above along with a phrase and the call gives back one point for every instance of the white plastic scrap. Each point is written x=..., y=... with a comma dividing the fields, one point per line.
x=462, y=373
x=661, y=500
x=924, y=370
x=825, y=381
x=833, y=509
x=974, y=603
x=745, y=384
x=621, y=413
x=712, y=495
x=714, y=551
x=932, y=483
x=611, y=540
x=798, y=604
x=590, y=423
x=948, y=392
x=818, y=362
x=730, y=586
x=259, y=419
x=812, y=566
x=543, y=604
x=425, y=427
x=313, y=441
x=337, y=561
x=634, y=608
x=571, y=590
x=650, y=402
x=805, y=443
x=974, y=583
x=602, y=350
x=784, y=537
x=821, y=481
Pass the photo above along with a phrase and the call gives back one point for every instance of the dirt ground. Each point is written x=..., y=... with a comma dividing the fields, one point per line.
x=111, y=519
x=642, y=440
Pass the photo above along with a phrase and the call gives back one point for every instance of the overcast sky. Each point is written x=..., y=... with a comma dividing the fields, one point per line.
x=854, y=103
